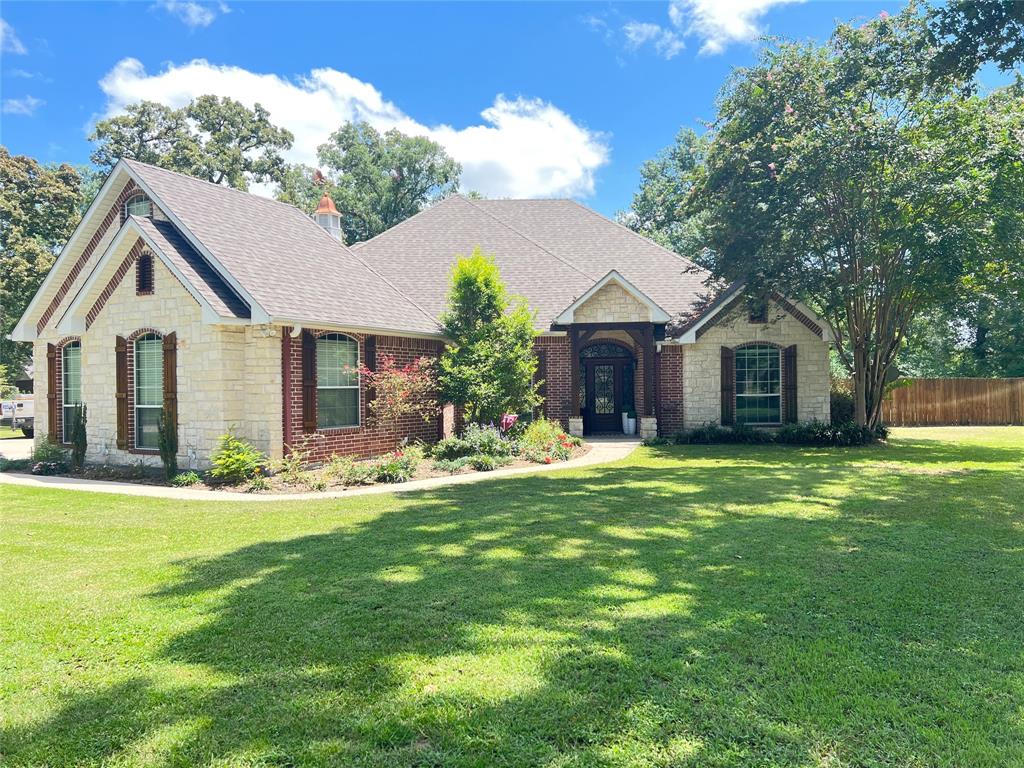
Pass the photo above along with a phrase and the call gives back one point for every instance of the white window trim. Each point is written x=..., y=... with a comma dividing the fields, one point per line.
x=64, y=404
x=357, y=386
x=736, y=387
x=137, y=407
x=135, y=198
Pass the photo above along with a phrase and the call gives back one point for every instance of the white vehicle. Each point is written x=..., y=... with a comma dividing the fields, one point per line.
x=23, y=415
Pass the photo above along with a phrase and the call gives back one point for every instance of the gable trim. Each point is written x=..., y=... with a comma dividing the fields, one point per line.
x=728, y=301
x=76, y=319
x=658, y=315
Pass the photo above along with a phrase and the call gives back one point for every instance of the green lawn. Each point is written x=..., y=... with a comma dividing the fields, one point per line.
x=704, y=606
x=6, y=432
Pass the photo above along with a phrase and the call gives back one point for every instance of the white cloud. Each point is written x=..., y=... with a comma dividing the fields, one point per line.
x=23, y=106
x=721, y=22
x=9, y=42
x=194, y=14
x=523, y=148
x=666, y=42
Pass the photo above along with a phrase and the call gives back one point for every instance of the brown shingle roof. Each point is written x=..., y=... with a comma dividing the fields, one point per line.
x=550, y=251
x=291, y=267
x=194, y=267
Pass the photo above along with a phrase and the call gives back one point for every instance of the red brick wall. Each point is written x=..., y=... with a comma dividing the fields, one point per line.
x=670, y=390
x=557, y=375
x=366, y=439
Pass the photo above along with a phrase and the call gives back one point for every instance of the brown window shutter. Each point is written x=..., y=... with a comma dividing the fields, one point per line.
x=728, y=387
x=171, y=379
x=789, y=413
x=370, y=361
x=121, y=368
x=542, y=375
x=51, y=392
x=308, y=382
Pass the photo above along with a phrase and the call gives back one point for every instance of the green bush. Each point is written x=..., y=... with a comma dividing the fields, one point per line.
x=841, y=407
x=815, y=433
x=398, y=466
x=185, y=479
x=485, y=463
x=359, y=473
x=236, y=461
x=451, y=466
x=79, y=439
x=49, y=451
x=475, y=440
x=167, y=441
x=540, y=432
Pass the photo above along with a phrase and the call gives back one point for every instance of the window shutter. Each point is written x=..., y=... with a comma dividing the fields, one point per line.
x=370, y=361
x=308, y=382
x=51, y=392
x=728, y=387
x=789, y=412
x=542, y=374
x=171, y=380
x=121, y=368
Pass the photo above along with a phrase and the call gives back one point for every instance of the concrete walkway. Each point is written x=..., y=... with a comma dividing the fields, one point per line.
x=602, y=451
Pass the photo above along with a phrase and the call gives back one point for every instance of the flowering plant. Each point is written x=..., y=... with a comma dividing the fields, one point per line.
x=401, y=390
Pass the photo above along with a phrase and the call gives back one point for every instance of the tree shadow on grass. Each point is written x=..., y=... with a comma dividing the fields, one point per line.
x=748, y=611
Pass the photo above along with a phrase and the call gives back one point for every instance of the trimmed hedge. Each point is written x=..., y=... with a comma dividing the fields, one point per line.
x=815, y=433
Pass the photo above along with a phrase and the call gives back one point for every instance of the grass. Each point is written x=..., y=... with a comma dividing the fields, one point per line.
x=7, y=432
x=689, y=606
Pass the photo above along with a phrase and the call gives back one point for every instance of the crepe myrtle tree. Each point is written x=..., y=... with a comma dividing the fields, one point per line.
x=845, y=174
x=488, y=368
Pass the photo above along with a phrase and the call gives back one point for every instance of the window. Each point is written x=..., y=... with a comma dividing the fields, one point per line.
x=149, y=390
x=337, y=381
x=758, y=385
x=71, y=367
x=138, y=206
x=144, y=275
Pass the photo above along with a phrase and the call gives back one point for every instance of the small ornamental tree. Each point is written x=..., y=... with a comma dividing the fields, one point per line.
x=400, y=391
x=79, y=440
x=488, y=367
x=167, y=436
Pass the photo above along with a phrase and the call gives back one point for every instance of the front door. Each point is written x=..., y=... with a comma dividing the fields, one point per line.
x=603, y=407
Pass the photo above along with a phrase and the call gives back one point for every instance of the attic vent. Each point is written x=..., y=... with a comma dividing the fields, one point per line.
x=144, y=275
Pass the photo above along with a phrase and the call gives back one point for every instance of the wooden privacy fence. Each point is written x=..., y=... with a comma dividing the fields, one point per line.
x=955, y=401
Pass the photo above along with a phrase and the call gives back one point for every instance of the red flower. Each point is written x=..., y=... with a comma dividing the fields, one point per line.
x=547, y=459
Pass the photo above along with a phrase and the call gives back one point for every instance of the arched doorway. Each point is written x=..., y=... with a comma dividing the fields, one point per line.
x=607, y=375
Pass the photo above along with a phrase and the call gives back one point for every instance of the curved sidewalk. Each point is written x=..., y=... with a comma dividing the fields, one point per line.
x=601, y=452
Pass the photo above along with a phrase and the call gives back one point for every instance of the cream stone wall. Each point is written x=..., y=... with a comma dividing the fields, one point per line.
x=229, y=376
x=612, y=304
x=702, y=366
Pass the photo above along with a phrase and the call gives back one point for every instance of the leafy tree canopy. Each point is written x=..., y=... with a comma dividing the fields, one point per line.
x=376, y=180
x=969, y=33
x=845, y=175
x=39, y=209
x=212, y=138
x=489, y=366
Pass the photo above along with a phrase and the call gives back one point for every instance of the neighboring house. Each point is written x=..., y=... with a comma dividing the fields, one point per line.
x=240, y=313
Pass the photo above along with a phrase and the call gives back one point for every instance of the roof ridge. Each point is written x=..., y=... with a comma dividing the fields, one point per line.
x=679, y=256
x=394, y=287
x=403, y=222
x=529, y=239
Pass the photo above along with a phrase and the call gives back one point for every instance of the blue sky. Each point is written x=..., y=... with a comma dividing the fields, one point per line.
x=534, y=99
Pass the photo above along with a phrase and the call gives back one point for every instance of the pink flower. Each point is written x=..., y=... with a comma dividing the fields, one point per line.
x=883, y=15
x=789, y=109
x=771, y=167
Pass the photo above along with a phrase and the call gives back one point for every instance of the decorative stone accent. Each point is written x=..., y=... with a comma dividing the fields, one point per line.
x=612, y=304
x=576, y=427
x=648, y=427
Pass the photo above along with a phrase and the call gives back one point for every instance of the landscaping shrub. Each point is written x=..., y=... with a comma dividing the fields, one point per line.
x=258, y=482
x=485, y=463
x=185, y=479
x=540, y=432
x=398, y=466
x=167, y=441
x=49, y=458
x=451, y=466
x=808, y=433
x=79, y=440
x=236, y=461
x=475, y=440
x=841, y=407
x=359, y=473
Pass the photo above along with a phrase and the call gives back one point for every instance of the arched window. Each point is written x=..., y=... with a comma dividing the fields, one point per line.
x=149, y=390
x=71, y=371
x=337, y=381
x=758, y=385
x=139, y=205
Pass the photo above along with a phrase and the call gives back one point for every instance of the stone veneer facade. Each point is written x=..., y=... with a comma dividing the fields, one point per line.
x=701, y=390
x=611, y=303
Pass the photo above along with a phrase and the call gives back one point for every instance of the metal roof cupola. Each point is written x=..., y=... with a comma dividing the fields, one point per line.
x=327, y=216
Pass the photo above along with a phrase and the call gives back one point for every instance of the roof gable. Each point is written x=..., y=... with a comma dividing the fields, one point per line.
x=655, y=313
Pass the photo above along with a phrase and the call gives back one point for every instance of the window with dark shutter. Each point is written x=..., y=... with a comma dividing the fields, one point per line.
x=308, y=382
x=51, y=392
x=171, y=381
x=144, y=275
x=541, y=375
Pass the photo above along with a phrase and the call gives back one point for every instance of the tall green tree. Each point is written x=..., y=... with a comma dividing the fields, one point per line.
x=657, y=210
x=212, y=138
x=377, y=180
x=39, y=209
x=969, y=33
x=488, y=367
x=843, y=175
